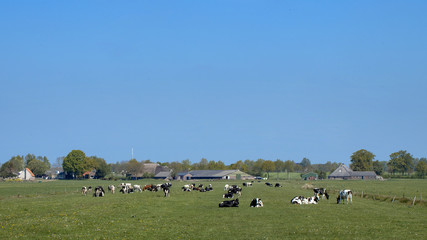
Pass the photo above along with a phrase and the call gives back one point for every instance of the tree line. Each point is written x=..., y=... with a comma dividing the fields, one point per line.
x=76, y=163
x=400, y=162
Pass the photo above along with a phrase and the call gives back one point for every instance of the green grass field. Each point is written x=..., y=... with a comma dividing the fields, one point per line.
x=57, y=210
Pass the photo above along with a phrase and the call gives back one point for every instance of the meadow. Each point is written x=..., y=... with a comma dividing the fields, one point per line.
x=57, y=210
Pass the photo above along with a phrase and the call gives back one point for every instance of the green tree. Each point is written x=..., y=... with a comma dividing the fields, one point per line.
x=14, y=165
x=289, y=165
x=135, y=168
x=211, y=165
x=379, y=167
x=362, y=160
x=421, y=167
x=305, y=164
x=400, y=161
x=38, y=167
x=74, y=164
x=279, y=165
x=220, y=165
x=268, y=166
x=102, y=168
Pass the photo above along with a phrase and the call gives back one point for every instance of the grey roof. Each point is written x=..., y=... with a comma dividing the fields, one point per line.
x=164, y=174
x=341, y=171
x=344, y=171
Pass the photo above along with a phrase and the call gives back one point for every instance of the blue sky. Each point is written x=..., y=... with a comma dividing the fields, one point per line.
x=222, y=80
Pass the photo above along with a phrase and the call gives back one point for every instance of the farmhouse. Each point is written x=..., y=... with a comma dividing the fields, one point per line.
x=343, y=172
x=214, y=174
x=26, y=174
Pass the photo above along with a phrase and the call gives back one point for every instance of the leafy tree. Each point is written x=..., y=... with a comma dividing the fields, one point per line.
x=14, y=165
x=211, y=165
x=305, y=164
x=289, y=165
x=379, y=167
x=38, y=167
x=74, y=163
x=240, y=165
x=400, y=161
x=134, y=167
x=220, y=165
x=28, y=158
x=362, y=160
x=102, y=169
x=268, y=166
x=421, y=167
x=279, y=165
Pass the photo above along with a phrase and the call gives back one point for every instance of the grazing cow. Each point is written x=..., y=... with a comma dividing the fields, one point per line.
x=321, y=191
x=227, y=195
x=232, y=203
x=186, y=189
x=235, y=190
x=247, y=184
x=256, y=202
x=84, y=190
x=99, y=192
x=111, y=188
x=127, y=189
x=268, y=184
x=277, y=185
x=137, y=188
x=345, y=195
x=226, y=187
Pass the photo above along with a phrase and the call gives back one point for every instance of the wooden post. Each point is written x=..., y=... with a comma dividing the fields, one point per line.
x=413, y=202
x=393, y=199
x=361, y=195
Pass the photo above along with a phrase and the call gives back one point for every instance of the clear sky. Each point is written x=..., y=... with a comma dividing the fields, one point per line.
x=221, y=80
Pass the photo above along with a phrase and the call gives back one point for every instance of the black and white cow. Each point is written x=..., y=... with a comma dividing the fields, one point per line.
x=84, y=190
x=235, y=190
x=302, y=200
x=227, y=195
x=166, y=189
x=268, y=184
x=99, y=192
x=321, y=191
x=256, y=202
x=137, y=188
x=277, y=185
x=345, y=195
x=231, y=203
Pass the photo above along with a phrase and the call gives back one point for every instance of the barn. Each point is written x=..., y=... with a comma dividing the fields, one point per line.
x=343, y=172
x=213, y=174
x=310, y=176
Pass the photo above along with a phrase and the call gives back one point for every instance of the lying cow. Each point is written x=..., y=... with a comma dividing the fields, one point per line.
x=345, y=195
x=84, y=190
x=256, y=202
x=302, y=200
x=277, y=185
x=137, y=188
x=227, y=195
x=321, y=191
x=99, y=192
x=231, y=203
x=268, y=184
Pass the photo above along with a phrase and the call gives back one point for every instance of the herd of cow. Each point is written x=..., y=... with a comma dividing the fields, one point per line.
x=231, y=190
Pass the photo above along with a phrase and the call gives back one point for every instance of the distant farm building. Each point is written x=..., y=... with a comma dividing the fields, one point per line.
x=310, y=176
x=89, y=174
x=214, y=174
x=26, y=174
x=343, y=172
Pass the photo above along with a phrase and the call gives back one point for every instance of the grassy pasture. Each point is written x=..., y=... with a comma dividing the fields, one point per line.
x=57, y=210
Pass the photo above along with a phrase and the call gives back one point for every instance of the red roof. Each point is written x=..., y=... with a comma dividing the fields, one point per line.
x=32, y=174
